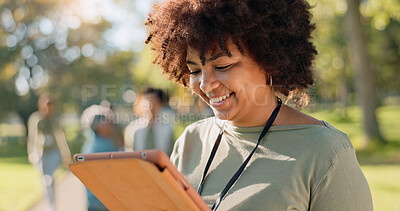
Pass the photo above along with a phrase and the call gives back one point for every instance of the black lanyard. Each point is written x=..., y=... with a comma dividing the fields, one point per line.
x=241, y=168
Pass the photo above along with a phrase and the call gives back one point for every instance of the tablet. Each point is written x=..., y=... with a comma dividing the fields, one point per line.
x=139, y=180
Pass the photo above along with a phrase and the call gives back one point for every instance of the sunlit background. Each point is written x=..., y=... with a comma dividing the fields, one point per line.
x=91, y=51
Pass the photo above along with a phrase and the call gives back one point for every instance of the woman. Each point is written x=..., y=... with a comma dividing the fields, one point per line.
x=257, y=153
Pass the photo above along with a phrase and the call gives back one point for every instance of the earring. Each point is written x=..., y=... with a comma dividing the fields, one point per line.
x=270, y=80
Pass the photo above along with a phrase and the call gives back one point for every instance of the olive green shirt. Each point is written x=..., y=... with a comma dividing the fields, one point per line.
x=296, y=167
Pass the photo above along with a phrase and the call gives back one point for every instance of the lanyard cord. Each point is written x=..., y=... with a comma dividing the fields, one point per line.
x=242, y=167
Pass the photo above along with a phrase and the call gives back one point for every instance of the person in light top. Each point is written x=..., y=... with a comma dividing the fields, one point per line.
x=47, y=146
x=154, y=127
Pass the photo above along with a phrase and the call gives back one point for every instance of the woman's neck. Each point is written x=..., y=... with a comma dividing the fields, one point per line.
x=258, y=117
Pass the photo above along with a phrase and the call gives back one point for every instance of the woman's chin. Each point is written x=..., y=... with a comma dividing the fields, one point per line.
x=221, y=115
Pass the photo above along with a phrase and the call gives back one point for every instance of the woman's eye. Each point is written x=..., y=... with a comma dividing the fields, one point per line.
x=194, y=72
x=223, y=67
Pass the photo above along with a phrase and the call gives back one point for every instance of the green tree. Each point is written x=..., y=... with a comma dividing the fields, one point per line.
x=58, y=47
x=365, y=75
x=336, y=40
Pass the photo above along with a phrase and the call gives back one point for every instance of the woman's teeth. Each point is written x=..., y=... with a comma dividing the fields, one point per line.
x=219, y=99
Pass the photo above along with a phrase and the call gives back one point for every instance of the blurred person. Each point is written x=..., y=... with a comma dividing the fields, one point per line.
x=118, y=133
x=47, y=146
x=106, y=109
x=102, y=128
x=102, y=139
x=154, y=127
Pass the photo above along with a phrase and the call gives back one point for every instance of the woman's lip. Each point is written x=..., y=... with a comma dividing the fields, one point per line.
x=219, y=98
x=222, y=102
x=209, y=96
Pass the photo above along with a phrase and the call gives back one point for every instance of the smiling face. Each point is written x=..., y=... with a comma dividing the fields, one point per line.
x=235, y=87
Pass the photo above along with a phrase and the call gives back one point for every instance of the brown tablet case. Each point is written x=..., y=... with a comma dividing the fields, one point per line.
x=134, y=184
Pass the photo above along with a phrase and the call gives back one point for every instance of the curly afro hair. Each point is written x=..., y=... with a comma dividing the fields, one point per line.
x=276, y=33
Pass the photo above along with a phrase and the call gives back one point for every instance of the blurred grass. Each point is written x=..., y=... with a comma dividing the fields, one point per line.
x=385, y=186
x=388, y=117
x=20, y=183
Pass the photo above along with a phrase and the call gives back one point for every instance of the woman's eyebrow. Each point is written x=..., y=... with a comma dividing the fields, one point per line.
x=216, y=56
x=191, y=62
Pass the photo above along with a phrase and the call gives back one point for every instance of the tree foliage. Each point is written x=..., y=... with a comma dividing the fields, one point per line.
x=374, y=59
x=381, y=21
x=57, y=47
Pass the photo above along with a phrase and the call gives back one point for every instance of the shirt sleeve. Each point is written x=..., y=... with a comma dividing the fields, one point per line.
x=128, y=137
x=343, y=187
x=32, y=142
x=174, y=158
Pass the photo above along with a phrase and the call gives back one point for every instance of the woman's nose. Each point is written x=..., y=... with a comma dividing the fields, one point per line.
x=208, y=82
